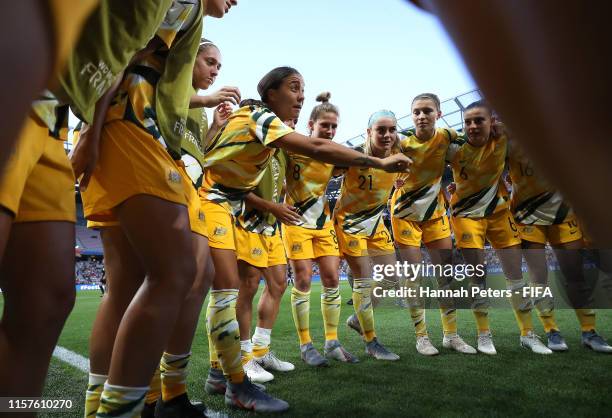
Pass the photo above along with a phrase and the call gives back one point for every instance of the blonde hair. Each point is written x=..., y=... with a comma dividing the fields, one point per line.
x=375, y=117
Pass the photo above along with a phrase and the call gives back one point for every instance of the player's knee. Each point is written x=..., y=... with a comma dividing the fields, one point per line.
x=177, y=275
x=57, y=302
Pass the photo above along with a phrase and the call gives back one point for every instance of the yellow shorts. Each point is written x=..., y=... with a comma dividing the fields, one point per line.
x=379, y=243
x=412, y=233
x=499, y=229
x=38, y=182
x=197, y=219
x=131, y=163
x=220, y=225
x=565, y=232
x=259, y=250
x=67, y=18
x=305, y=244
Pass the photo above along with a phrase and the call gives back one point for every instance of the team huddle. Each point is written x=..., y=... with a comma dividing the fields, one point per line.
x=188, y=209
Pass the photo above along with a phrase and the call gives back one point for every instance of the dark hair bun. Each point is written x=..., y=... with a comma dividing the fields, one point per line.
x=323, y=97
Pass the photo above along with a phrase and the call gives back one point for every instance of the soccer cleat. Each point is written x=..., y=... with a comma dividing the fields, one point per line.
x=248, y=396
x=455, y=342
x=256, y=373
x=595, y=342
x=379, y=351
x=215, y=382
x=353, y=323
x=556, y=341
x=425, y=347
x=179, y=407
x=149, y=409
x=312, y=357
x=485, y=344
x=533, y=342
x=334, y=350
x=270, y=362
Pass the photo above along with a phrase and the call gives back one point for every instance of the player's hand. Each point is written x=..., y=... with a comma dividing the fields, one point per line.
x=222, y=113
x=225, y=94
x=84, y=156
x=451, y=188
x=285, y=213
x=397, y=163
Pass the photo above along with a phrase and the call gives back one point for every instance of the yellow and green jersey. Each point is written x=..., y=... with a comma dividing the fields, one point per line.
x=533, y=201
x=192, y=145
x=236, y=159
x=477, y=172
x=420, y=197
x=363, y=197
x=269, y=188
x=136, y=99
x=307, y=181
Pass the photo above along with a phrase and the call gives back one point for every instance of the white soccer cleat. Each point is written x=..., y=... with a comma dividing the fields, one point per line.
x=270, y=362
x=533, y=342
x=455, y=342
x=425, y=347
x=256, y=373
x=485, y=344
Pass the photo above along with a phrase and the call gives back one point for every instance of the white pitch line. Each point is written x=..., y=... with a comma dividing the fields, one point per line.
x=82, y=363
x=72, y=358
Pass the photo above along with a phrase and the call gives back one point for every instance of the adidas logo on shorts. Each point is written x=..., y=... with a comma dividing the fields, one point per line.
x=297, y=247
x=257, y=252
x=406, y=233
x=353, y=243
x=466, y=236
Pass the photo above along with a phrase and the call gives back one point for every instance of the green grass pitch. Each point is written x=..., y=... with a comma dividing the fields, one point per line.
x=515, y=382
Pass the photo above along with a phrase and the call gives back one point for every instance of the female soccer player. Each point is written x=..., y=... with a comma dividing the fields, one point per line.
x=236, y=159
x=418, y=214
x=37, y=215
x=480, y=212
x=363, y=238
x=544, y=217
x=314, y=239
x=260, y=251
x=138, y=183
x=125, y=282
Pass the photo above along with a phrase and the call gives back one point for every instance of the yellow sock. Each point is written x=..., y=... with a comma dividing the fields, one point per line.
x=449, y=320
x=174, y=375
x=418, y=320
x=448, y=312
x=300, y=308
x=261, y=341
x=121, y=401
x=482, y=321
x=480, y=306
x=94, y=391
x=330, y=308
x=212, y=352
x=521, y=305
x=246, y=351
x=545, y=308
x=224, y=332
x=417, y=312
x=362, y=302
x=586, y=318
x=154, y=392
